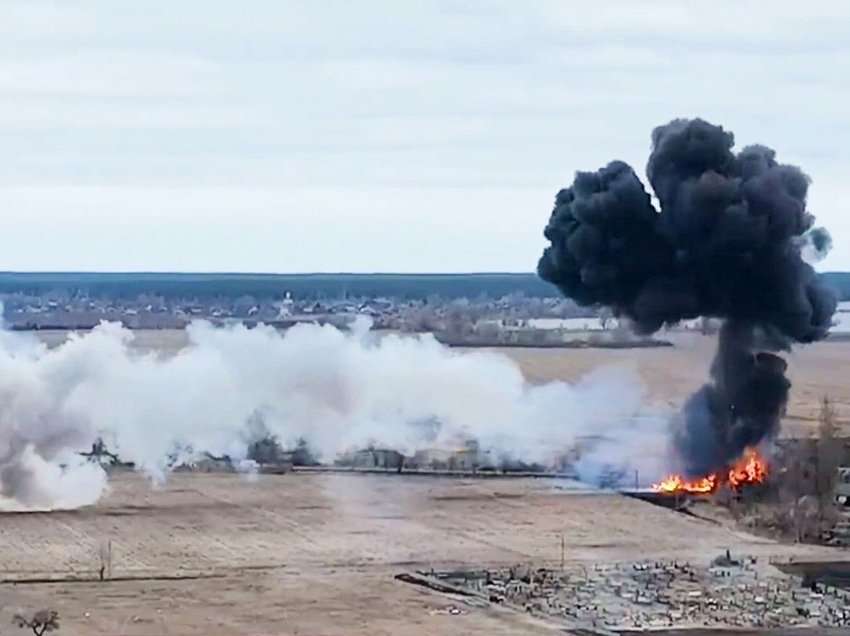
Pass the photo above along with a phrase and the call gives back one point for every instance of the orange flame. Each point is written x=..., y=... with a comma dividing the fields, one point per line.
x=677, y=483
x=751, y=468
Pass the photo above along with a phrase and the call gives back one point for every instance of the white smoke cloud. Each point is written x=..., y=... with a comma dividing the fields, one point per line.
x=814, y=245
x=337, y=390
x=64, y=481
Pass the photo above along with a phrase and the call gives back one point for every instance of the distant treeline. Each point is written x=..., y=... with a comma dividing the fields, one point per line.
x=409, y=286
x=840, y=282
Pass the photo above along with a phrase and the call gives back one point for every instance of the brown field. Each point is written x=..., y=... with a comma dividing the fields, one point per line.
x=671, y=373
x=316, y=554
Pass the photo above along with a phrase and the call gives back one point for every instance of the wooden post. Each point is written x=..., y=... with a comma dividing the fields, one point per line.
x=562, y=551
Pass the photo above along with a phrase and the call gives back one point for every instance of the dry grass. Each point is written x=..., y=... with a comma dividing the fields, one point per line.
x=671, y=373
x=316, y=554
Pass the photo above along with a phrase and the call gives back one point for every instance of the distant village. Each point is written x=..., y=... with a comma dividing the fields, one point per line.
x=512, y=319
x=457, y=318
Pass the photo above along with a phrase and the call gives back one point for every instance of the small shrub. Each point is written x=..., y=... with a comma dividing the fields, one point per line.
x=42, y=621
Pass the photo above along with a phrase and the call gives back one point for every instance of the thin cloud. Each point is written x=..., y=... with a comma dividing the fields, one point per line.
x=425, y=111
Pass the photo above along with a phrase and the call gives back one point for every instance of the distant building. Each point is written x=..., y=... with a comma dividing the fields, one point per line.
x=385, y=458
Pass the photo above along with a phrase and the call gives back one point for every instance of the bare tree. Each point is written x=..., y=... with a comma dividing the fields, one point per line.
x=806, y=519
x=422, y=319
x=606, y=318
x=42, y=621
x=807, y=481
x=303, y=455
x=795, y=511
x=489, y=331
x=458, y=322
x=266, y=450
x=828, y=457
x=828, y=454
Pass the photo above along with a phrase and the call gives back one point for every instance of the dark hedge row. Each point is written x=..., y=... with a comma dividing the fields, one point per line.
x=412, y=286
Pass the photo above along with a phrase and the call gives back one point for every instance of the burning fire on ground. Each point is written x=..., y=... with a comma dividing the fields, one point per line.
x=751, y=468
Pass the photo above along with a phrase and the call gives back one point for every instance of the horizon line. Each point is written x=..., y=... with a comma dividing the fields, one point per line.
x=250, y=273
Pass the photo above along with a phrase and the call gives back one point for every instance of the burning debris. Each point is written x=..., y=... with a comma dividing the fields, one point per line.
x=728, y=243
x=677, y=483
x=750, y=469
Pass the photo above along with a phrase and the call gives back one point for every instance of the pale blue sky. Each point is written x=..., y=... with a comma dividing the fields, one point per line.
x=379, y=136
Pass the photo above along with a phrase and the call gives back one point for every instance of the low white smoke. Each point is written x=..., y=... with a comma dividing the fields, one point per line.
x=339, y=391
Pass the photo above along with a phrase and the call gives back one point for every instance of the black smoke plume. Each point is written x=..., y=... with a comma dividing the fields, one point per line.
x=726, y=243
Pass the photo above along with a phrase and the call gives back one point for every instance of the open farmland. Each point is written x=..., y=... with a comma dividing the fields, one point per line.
x=317, y=553
x=670, y=374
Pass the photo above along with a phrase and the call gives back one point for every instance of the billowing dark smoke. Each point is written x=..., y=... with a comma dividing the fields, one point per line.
x=740, y=407
x=727, y=243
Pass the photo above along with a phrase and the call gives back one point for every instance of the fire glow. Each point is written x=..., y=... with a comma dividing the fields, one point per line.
x=750, y=469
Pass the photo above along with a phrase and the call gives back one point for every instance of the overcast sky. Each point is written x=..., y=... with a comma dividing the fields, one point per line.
x=367, y=136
